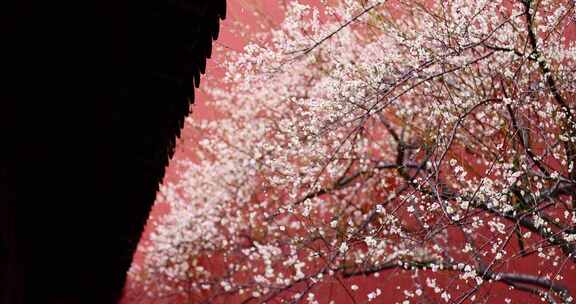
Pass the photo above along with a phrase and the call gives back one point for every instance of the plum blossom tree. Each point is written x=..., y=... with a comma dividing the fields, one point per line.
x=430, y=145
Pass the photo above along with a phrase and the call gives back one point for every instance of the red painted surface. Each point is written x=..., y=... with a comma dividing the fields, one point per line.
x=259, y=14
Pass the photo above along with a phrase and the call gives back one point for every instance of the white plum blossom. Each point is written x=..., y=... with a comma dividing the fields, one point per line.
x=430, y=141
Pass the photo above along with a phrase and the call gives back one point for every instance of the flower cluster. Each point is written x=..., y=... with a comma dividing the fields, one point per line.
x=432, y=140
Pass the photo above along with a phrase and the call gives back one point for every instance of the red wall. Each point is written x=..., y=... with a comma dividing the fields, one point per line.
x=241, y=13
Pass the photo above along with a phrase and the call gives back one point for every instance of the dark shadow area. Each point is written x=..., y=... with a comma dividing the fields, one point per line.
x=93, y=97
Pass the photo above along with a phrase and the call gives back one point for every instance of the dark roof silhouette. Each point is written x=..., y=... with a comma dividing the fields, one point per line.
x=93, y=97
